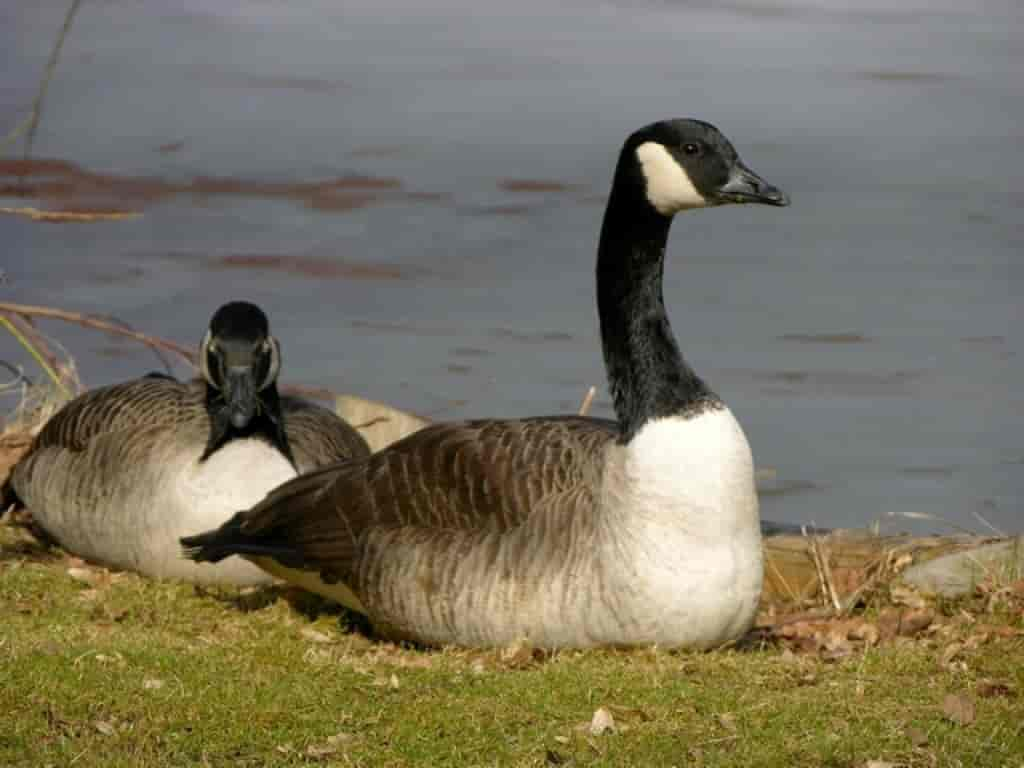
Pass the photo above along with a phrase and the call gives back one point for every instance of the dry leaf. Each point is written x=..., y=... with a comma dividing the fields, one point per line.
x=601, y=722
x=918, y=738
x=908, y=596
x=866, y=632
x=959, y=709
x=951, y=652
x=988, y=689
x=879, y=764
x=107, y=729
x=152, y=684
x=316, y=636
x=393, y=681
x=519, y=655
x=316, y=752
x=915, y=621
x=84, y=575
x=727, y=721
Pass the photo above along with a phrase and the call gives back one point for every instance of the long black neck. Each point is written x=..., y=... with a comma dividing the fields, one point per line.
x=267, y=422
x=646, y=372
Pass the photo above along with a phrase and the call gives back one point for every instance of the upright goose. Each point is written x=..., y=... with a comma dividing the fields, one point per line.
x=121, y=472
x=561, y=531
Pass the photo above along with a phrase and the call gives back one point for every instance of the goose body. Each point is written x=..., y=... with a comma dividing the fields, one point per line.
x=119, y=474
x=560, y=531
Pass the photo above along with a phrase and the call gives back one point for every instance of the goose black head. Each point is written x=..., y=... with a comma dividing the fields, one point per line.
x=240, y=362
x=683, y=164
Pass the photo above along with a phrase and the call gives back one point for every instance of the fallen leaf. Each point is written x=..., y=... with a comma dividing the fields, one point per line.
x=316, y=636
x=951, y=652
x=879, y=764
x=152, y=684
x=959, y=709
x=601, y=722
x=989, y=689
x=316, y=752
x=107, y=729
x=393, y=681
x=866, y=632
x=727, y=721
x=915, y=621
x=889, y=622
x=520, y=655
x=908, y=596
x=84, y=575
x=918, y=738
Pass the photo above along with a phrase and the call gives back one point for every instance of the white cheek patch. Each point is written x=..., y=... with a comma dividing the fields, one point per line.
x=669, y=188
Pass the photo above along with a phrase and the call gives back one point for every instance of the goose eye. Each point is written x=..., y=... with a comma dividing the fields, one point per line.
x=691, y=149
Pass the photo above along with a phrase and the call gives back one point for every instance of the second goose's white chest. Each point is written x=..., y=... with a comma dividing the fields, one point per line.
x=684, y=531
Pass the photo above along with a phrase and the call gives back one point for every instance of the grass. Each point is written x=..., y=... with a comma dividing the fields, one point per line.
x=106, y=669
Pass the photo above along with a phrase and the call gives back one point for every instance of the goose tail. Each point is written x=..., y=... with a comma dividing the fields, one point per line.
x=273, y=528
x=214, y=545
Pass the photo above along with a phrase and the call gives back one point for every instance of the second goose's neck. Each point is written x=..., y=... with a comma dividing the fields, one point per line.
x=267, y=422
x=647, y=374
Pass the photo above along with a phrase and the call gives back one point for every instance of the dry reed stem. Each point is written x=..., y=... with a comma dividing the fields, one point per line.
x=38, y=214
x=588, y=399
x=31, y=123
x=828, y=590
x=778, y=575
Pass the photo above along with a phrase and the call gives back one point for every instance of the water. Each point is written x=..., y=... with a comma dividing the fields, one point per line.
x=868, y=337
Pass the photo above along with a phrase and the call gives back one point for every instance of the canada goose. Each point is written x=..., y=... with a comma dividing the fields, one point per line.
x=560, y=531
x=121, y=472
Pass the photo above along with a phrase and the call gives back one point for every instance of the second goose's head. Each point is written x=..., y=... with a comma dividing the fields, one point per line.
x=680, y=164
x=240, y=361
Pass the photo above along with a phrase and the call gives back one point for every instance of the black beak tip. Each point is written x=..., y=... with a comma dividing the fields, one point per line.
x=239, y=419
x=775, y=196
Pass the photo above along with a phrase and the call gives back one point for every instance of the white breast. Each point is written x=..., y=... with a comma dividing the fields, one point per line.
x=684, y=528
x=204, y=496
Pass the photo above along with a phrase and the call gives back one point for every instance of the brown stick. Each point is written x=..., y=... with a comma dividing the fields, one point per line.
x=51, y=65
x=88, y=321
x=588, y=399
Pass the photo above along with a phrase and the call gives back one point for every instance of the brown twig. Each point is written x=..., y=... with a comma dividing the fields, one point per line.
x=37, y=340
x=51, y=65
x=828, y=590
x=37, y=214
x=88, y=321
x=782, y=579
x=588, y=399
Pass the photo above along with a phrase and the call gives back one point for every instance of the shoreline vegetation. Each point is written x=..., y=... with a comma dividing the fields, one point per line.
x=869, y=651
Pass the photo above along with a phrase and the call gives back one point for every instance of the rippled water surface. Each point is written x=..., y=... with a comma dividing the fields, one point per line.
x=414, y=195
